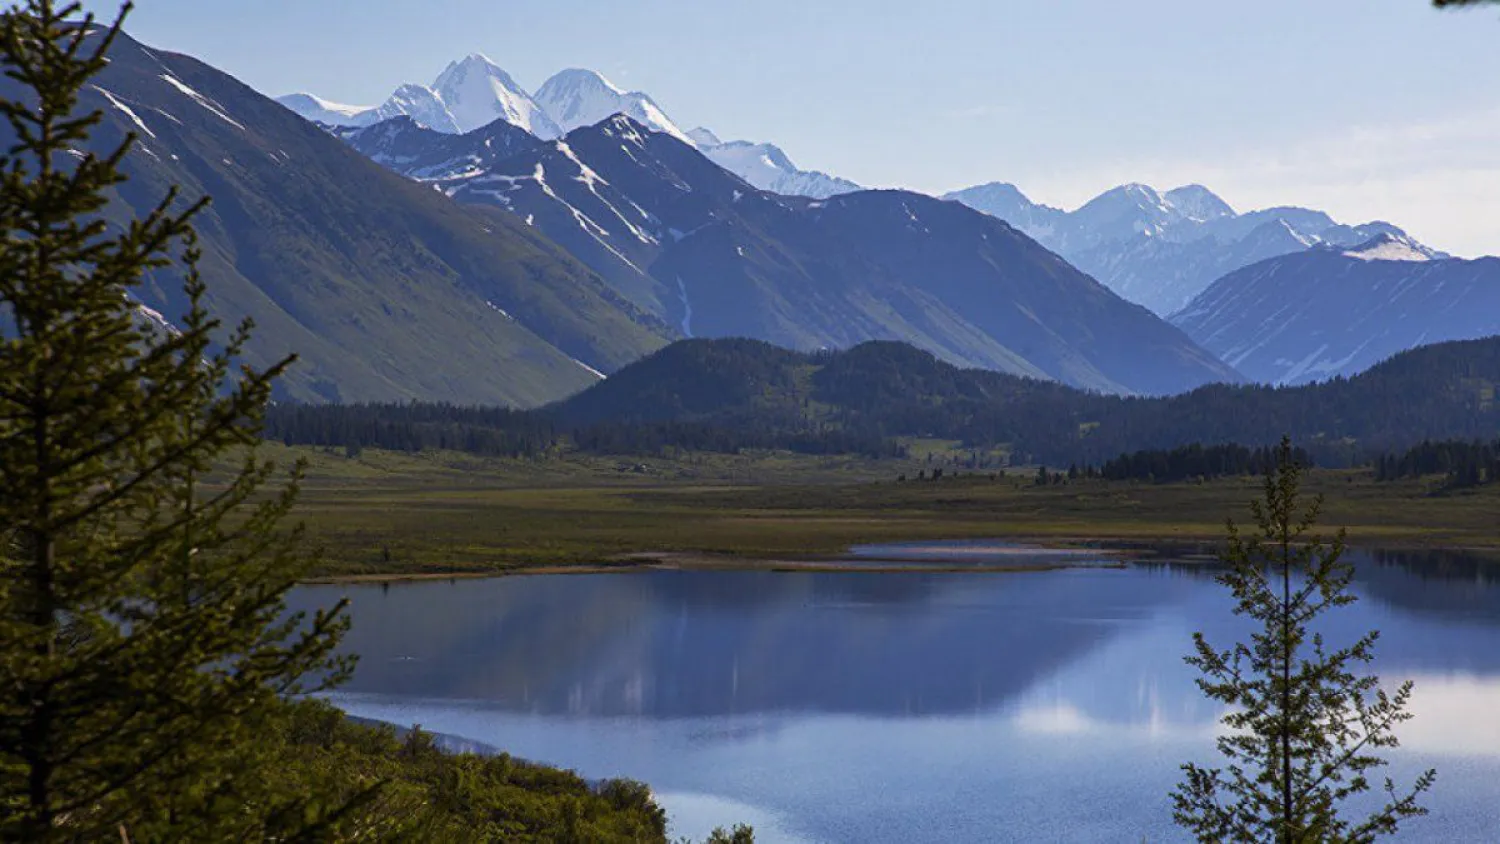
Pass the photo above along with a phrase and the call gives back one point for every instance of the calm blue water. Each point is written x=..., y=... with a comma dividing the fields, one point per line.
x=833, y=707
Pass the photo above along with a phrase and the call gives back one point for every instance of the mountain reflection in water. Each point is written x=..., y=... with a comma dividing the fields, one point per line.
x=847, y=705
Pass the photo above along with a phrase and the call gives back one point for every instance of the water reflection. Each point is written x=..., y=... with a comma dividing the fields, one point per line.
x=864, y=706
x=676, y=644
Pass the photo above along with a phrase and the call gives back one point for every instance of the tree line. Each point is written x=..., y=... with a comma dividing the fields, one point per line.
x=1197, y=461
x=1461, y=463
x=890, y=391
x=501, y=432
x=414, y=426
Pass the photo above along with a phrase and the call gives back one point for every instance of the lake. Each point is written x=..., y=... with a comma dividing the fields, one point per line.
x=906, y=706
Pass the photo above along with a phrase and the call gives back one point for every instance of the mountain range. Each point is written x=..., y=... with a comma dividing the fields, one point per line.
x=1161, y=249
x=705, y=251
x=385, y=288
x=1158, y=249
x=1330, y=310
x=470, y=92
x=474, y=91
x=519, y=252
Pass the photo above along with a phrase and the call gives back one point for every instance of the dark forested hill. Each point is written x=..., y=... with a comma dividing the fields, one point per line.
x=730, y=394
x=385, y=288
x=891, y=389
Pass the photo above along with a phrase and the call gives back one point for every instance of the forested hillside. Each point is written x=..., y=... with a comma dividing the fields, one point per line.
x=732, y=394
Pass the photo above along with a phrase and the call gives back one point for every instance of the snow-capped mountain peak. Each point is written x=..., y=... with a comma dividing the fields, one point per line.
x=477, y=92
x=479, y=60
x=1197, y=202
x=473, y=92
x=577, y=97
x=704, y=137
x=421, y=104
x=1390, y=247
x=581, y=79
x=1134, y=210
x=1132, y=194
x=996, y=193
x=1006, y=201
x=313, y=107
x=470, y=93
x=1162, y=249
x=1131, y=209
x=768, y=168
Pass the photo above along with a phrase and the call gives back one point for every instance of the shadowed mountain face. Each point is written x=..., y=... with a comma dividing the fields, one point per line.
x=1326, y=312
x=715, y=257
x=384, y=288
x=401, y=143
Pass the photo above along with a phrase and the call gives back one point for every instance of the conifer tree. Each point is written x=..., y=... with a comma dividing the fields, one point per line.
x=1304, y=731
x=143, y=636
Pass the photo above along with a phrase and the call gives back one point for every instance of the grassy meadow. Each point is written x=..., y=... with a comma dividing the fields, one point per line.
x=438, y=513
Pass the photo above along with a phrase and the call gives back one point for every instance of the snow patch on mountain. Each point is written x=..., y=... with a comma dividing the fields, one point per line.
x=198, y=98
x=1390, y=248
x=589, y=369
x=152, y=317
x=539, y=176
x=126, y=110
x=592, y=180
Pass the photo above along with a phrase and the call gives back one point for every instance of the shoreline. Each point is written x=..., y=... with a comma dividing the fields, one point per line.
x=1124, y=552
x=824, y=563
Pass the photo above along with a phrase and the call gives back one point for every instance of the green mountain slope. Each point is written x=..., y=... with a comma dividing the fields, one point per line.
x=386, y=289
x=877, y=390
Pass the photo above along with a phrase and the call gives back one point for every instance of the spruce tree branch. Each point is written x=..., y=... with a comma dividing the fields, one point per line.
x=151, y=470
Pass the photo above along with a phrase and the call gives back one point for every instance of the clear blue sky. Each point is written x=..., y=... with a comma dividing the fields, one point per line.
x=1367, y=108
